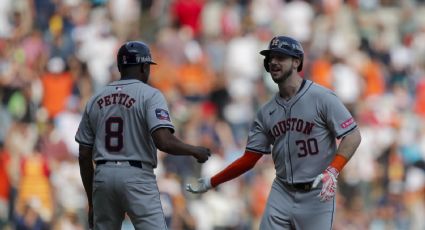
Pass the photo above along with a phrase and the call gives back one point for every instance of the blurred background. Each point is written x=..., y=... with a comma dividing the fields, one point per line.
x=54, y=54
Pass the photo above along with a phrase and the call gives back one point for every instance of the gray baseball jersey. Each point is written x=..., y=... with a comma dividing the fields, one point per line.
x=302, y=131
x=301, y=134
x=119, y=120
x=117, y=123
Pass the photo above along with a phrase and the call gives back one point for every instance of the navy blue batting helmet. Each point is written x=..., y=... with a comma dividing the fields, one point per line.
x=285, y=45
x=134, y=53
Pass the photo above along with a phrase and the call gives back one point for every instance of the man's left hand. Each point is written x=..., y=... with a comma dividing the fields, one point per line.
x=329, y=183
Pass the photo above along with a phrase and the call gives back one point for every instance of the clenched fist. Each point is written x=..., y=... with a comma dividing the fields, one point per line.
x=202, y=154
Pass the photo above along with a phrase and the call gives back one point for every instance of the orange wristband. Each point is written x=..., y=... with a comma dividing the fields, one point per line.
x=339, y=162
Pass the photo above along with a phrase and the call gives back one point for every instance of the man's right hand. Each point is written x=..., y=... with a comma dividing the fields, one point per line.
x=202, y=154
x=204, y=184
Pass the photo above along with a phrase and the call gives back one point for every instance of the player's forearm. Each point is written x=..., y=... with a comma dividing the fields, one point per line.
x=87, y=178
x=235, y=169
x=349, y=144
x=176, y=147
x=86, y=171
x=167, y=142
x=345, y=150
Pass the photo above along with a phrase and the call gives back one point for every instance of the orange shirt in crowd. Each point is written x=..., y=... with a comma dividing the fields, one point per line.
x=163, y=77
x=321, y=73
x=194, y=79
x=374, y=79
x=259, y=195
x=57, y=89
x=420, y=99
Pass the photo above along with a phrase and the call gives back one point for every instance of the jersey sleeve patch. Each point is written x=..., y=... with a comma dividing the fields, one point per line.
x=347, y=123
x=162, y=114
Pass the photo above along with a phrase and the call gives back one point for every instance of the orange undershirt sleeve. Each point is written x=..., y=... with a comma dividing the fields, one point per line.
x=237, y=168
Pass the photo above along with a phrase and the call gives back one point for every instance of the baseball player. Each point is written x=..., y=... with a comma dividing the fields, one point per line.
x=121, y=129
x=298, y=127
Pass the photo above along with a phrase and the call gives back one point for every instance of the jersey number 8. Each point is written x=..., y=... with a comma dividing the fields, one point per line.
x=114, y=139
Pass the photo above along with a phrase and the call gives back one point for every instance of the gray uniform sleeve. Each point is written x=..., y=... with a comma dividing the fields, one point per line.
x=85, y=135
x=337, y=116
x=258, y=139
x=157, y=113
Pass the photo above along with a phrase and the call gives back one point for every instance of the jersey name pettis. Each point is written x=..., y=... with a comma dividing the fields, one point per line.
x=291, y=124
x=116, y=98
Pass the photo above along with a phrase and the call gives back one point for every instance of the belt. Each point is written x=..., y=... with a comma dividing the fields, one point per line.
x=300, y=187
x=137, y=164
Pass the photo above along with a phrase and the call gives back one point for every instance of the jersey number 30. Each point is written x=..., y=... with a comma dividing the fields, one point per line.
x=307, y=147
x=114, y=140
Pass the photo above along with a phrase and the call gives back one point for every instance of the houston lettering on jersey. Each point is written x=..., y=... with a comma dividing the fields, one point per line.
x=114, y=99
x=291, y=124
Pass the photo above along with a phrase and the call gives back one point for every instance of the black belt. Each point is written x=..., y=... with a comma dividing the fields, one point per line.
x=137, y=164
x=300, y=187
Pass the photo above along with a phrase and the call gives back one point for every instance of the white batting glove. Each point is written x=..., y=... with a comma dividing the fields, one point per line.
x=204, y=184
x=329, y=183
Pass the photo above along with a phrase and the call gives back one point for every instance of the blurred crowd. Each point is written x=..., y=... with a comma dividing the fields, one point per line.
x=54, y=54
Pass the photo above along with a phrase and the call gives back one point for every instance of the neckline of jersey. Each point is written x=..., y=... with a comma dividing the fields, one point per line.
x=125, y=81
x=299, y=93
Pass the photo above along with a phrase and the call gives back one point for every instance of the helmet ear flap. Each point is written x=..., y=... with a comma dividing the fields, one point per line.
x=266, y=63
